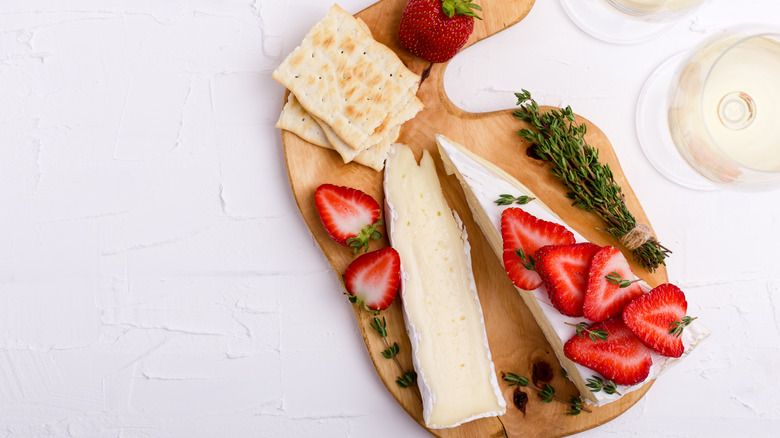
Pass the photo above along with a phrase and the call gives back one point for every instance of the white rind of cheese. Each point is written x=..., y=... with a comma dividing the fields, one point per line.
x=483, y=183
x=450, y=350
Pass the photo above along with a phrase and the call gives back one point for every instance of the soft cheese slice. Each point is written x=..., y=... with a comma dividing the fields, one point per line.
x=441, y=307
x=482, y=183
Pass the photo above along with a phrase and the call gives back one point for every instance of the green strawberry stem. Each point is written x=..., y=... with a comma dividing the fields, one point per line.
x=460, y=7
x=364, y=237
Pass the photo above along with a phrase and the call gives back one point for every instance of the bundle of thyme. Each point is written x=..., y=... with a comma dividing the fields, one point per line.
x=557, y=139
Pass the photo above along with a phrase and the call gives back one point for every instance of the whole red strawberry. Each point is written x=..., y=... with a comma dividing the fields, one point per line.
x=437, y=29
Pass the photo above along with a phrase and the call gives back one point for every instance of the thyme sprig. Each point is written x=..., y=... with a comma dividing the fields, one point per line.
x=576, y=406
x=597, y=384
x=559, y=140
x=614, y=277
x=594, y=335
x=528, y=262
x=677, y=327
x=507, y=199
x=546, y=394
x=407, y=377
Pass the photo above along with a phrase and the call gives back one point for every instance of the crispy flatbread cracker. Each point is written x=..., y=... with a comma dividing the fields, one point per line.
x=372, y=157
x=296, y=120
x=348, y=80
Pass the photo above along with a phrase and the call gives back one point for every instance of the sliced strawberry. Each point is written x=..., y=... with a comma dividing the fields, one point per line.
x=350, y=216
x=564, y=272
x=523, y=235
x=610, y=285
x=622, y=357
x=658, y=317
x=372, y=279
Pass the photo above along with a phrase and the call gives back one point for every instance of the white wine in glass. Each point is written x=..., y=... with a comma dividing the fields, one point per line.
x=627, y=21
x=723, y=112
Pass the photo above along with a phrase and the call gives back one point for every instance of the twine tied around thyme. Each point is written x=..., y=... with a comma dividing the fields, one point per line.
x=637, y=236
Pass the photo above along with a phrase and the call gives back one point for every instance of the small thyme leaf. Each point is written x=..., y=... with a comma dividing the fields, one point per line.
x=391, y=351
x=594, y=335
x=597, y=384
x=564, y=373
x=379, y=326
x=616, y=278
x=514, y=379
x=677, y=327
x=576, y=406
x=557, y=138
x=507, y=199
x=547, y=394
x=406, y=379
x=527, y=262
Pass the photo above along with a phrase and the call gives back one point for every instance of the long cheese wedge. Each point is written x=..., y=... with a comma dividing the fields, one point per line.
x=443, y=317
x=483, y=183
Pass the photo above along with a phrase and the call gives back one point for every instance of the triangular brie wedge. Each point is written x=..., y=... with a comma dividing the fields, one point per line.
x=483, y=183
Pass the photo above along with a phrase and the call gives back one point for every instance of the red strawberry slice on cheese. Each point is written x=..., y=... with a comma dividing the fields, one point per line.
x=350, y=216
x=523, y=235
x=373, y=279
x=653, y=315
x=564, y=272
x=604, y=298
x=622, y=358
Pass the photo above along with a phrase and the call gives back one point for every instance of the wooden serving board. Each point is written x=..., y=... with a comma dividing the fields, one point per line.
x=516, y=342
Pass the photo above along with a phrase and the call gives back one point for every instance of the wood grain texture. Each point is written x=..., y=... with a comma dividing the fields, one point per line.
x=515, y=339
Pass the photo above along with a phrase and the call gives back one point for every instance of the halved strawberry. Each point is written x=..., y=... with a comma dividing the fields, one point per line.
x=658, y=317
x=622, y=357
x=373, y=279
x=564, y=272
x=610, y=285
x=350, y=216
x=523, y=235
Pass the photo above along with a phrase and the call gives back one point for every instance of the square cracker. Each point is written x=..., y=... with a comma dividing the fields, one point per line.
x=373, y=156
x=348, y=80
x=296, y=120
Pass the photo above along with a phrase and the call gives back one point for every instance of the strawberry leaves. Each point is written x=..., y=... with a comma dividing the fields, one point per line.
x=364, y=237
x=460, y=7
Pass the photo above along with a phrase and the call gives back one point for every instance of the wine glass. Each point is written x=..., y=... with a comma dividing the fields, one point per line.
x=627, y=21
x=710, y=118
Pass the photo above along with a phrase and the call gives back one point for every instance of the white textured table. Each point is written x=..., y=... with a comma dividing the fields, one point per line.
x=156, y=279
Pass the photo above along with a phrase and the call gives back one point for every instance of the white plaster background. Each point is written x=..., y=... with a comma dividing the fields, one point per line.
x=156, y=279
